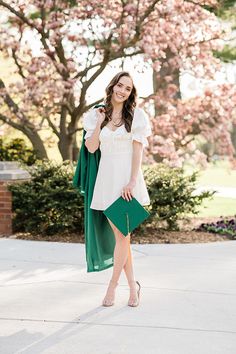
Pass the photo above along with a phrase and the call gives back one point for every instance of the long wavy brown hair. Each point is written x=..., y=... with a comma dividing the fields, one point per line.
x=128, y=106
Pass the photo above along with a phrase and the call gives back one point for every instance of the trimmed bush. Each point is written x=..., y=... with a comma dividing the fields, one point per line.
x=17, y=150
x=48, y=203
x=172, y=194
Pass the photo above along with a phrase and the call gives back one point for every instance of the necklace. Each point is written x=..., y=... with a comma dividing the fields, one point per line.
x=116, y=124
x=118, y=118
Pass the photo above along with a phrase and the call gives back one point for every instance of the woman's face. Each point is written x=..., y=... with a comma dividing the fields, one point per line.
x=122, y=89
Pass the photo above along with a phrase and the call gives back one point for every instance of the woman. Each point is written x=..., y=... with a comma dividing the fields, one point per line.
x=120, y=130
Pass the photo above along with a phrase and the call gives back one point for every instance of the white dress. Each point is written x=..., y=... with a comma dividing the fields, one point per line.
x=115, y=164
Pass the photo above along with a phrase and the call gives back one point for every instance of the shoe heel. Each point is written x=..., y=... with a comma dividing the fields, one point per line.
x=138, y=289
x=138, y=293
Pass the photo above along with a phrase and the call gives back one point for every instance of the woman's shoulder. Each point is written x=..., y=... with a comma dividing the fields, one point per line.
x=140, y=117
x=89, y=119
x=138, y=110
x=141, y=128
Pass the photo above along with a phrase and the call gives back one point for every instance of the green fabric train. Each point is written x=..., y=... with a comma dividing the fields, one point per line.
x=99, y=237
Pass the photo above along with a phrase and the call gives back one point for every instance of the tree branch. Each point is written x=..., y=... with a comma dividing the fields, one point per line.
x=92, y=105
x=54, y=129
x=20, y=69
x=22, y=127
x=75, y=131
x=201, y=5
x=43, y=38
x=12, y=105
x=113, y=56
x=18, y=14
x=61, y=55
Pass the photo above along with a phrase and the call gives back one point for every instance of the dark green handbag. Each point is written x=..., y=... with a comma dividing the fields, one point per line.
x=126, y=215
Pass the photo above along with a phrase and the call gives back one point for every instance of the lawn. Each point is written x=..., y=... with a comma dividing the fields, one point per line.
x=218, y=206
x=218, y=174
x=218, y=177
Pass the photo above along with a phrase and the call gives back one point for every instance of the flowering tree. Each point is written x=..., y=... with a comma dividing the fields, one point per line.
x=79, y=39
x=193, y=34
x=227, y=12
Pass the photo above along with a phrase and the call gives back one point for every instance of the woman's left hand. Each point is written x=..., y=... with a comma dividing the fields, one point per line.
x=127, y=191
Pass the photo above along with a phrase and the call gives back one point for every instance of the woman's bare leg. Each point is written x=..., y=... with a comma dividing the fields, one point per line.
x=120, y=252
x=120, y=258
x=128, y=268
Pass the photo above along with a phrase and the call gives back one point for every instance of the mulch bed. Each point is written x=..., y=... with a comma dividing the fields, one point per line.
x=187, y=234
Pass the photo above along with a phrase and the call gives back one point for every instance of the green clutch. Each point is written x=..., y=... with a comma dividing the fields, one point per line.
x=126, y=215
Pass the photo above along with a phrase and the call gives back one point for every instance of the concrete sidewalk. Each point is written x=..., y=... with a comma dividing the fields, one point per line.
x=49, y=304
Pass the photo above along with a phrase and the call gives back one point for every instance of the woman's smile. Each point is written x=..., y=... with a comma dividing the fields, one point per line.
x=120, y=96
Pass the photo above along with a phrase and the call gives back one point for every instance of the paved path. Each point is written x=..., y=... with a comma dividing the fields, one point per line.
x=49, y=304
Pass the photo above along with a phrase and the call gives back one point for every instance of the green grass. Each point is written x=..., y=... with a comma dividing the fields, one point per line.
x=218, y=174
x=217, y=177
x=218, y=207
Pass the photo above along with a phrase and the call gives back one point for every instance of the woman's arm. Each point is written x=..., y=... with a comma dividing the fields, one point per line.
x=136, y=163
x=92, y=143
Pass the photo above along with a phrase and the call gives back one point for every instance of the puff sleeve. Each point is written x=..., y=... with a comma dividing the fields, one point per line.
x=89, y=122
x=141, y=127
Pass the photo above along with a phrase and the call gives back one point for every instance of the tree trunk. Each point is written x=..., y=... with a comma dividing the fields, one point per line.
x=32, y=135
x=75, y=149
x=233, y=135
x=65, y=146
x=160, y=84
x=69, y=148
x=37, y=143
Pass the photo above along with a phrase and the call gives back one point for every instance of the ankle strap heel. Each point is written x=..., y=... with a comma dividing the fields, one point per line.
x=136, y=302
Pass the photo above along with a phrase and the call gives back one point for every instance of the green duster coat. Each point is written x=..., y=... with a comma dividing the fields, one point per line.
x=99, y=236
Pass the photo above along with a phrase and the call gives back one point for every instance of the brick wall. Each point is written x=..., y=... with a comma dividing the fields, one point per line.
x=5, y=210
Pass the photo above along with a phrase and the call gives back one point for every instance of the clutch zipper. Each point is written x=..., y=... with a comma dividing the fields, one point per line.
x=127, y=220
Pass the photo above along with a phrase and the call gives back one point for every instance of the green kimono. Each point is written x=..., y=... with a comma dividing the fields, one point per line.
x=99, y=237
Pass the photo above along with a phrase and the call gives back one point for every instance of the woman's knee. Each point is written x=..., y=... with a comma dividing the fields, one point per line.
x=122, y=238
x=114, y=228
x=118, y=233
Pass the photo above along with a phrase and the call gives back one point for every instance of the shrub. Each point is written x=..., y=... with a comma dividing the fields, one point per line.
x=171, y=194
x=48, y=203
x=17, y=150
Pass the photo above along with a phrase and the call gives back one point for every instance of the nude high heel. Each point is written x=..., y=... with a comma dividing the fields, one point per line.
x=135, y=303
x=109, y=300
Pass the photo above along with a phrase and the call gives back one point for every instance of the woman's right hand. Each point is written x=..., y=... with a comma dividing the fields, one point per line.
x=100, y=112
